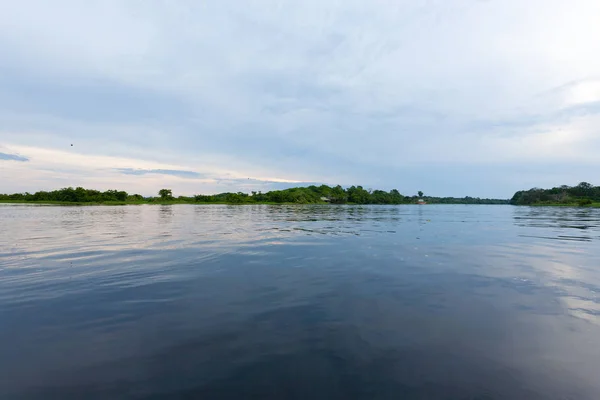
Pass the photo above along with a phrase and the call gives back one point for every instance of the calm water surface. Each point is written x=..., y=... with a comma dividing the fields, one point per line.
x=299, y=302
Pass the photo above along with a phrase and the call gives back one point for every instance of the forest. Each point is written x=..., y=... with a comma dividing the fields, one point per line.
x=584, y=194
x=322, y=194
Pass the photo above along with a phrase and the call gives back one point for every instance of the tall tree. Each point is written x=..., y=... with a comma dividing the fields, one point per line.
x=165, y=194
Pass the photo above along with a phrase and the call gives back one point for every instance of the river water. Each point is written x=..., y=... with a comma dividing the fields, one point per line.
x=299, y=302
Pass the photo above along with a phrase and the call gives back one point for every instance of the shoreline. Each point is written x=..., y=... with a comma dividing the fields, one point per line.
x=169, y=203
x=299, y=195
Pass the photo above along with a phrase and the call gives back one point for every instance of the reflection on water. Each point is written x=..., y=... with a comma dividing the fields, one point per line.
x=566, y=223
x=229, y=302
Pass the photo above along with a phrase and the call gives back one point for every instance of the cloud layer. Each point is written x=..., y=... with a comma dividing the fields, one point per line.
x=172, y=172
x=12, y=157
x=452, y=98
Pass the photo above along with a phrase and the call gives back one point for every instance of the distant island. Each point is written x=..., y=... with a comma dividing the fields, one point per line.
x=299, y=195
x=584, y=194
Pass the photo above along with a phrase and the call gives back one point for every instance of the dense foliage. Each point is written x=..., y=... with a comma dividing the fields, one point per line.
x=299, y=195
x=311, y=194
x=70, y=195
x=582, y=194
x=165, y=194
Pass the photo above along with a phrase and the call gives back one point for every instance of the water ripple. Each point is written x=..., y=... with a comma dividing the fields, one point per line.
x=308, y=301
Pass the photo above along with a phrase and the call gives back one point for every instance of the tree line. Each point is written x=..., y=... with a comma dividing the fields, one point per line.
x=299, y=195
x=582, y=194
x=74, y=195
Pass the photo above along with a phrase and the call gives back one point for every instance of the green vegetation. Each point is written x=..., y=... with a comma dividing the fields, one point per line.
x=583, y=195
x=70, y=195
x=165, y=194
x=300, y=195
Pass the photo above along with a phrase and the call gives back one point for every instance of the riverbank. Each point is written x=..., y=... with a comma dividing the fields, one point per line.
x=139, y=203
x=300, y=195
x=176, y=202
x=583, y=195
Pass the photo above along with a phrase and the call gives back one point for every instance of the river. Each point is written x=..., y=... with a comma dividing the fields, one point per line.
x=299, y=302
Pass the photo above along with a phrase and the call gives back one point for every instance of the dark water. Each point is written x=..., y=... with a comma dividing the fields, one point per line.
x=306, y=302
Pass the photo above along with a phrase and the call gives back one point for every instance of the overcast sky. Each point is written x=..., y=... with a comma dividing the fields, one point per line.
x=451, y=97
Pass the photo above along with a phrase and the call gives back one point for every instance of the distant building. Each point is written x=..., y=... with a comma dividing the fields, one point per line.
x=421, y=201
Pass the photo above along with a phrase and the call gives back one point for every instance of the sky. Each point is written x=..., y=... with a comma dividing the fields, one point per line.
x=453, y=98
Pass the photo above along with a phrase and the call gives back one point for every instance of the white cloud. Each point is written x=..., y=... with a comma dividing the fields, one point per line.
x=584, y=92
x=48, y=167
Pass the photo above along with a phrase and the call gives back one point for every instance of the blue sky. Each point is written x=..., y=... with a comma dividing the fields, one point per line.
x=457, y=98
